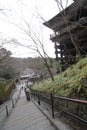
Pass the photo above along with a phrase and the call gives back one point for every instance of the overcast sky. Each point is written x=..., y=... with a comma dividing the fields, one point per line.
x=16, y=12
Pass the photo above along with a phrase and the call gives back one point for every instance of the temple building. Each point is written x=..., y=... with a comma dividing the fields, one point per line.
x=70, y=33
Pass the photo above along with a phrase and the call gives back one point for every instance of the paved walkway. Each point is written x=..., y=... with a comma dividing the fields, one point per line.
x=26, y=116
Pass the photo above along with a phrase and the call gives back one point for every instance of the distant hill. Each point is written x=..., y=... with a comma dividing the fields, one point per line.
x=18, y=65
x=37, y=64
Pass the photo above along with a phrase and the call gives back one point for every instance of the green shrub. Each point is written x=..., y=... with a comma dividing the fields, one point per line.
x=67, y=83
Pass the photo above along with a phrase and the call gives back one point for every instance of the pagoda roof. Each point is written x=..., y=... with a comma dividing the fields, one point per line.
x=58, y=21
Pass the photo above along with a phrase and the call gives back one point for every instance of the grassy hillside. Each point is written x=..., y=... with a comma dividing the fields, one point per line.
x=70, y=83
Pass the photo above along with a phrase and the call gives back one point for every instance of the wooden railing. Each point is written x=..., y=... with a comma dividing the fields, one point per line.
x=6, y=108
x=73, y=107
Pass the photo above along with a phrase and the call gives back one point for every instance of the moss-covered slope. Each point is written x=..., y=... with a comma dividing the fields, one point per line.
x=69, y=83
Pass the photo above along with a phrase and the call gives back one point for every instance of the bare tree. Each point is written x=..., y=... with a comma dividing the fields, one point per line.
x=38, y=43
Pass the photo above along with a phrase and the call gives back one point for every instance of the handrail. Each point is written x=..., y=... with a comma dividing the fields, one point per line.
x=4, y=106
x=12, y=102
x=74, y=107
x=73, y=100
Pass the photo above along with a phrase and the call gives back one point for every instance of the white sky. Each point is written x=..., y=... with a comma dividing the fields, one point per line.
x=16, y=11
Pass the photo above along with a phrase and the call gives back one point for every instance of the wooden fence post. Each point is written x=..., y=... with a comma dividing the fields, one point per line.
x=52, y=104
x=7, y=110
x=38, y=99
x=12, y=103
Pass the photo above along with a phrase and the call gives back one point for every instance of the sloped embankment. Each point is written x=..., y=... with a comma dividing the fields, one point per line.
x=70, y=83
x=5, y=90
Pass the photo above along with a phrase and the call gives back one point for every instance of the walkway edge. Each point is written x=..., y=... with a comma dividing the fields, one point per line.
x=45, y=114
x=56, y=123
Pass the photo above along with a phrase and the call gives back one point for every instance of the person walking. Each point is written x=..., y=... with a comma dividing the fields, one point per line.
x=27, y=93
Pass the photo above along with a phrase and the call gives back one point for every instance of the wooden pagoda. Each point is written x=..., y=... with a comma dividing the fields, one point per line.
x=70, y=29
